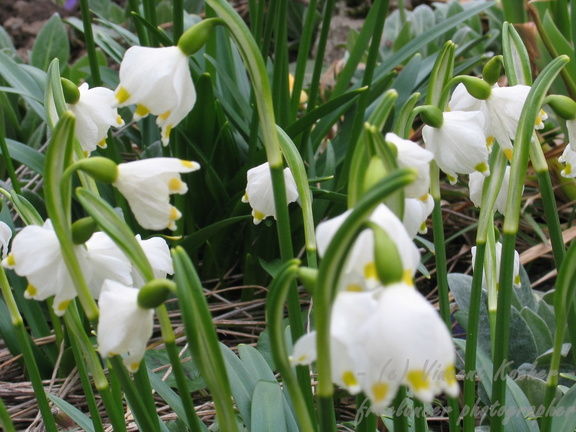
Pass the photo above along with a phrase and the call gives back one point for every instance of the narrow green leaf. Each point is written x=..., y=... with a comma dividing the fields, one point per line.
x=74, y=413
x=26, y=155
x=52, y=42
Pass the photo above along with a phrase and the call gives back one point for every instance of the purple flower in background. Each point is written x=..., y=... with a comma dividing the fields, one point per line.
x=70, y=4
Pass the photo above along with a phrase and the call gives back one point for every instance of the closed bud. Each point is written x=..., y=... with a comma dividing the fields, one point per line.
x=477, y=87
x=375, y=172
x=196, y=36
x=389, y=267
x=70, y=90
x=492, y=69
x=83, y=229
x=431, y=115
x=563, y=106
x=308, y=276
x=155, y=293
x=100, y=168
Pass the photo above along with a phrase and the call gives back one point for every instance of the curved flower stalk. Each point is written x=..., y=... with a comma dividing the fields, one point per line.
x=147, y=185
x=459, y=145
x=158, y=81
x=94, y=115
x=411, y=155
x=158, y=253
x=383, y=339
x=260, y=195
x=36, y=254
x=123, y=327
x=359, y=273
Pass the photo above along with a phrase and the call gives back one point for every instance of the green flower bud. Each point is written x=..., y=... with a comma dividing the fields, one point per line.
x=477, y=87
x=431, y=115
x=375, y=172
x=155, y=293
x=492, y=69
x=195, y=37
x=83, y=229
x=563, y=106
x=70, y=90
x=101, y=168
x=309, y=277
x=388, y=262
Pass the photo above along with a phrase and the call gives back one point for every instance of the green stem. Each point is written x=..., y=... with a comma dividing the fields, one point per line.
x=96, y=80
x=400, y=419
x=281, y=92
x=420, y=416
x=29, y=360
x=147, y=420
x=177, y=20
x=442, y=273
x=302, y=59
x=519, y=165
x=184, y=391
x=202, y=338
x=5, y=420
x=368, y=419
x=472, y=338
x=150, y=15
x=274, y=316
x=140, y=30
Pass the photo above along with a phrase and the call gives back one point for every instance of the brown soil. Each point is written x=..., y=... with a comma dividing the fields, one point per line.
x=23, y=19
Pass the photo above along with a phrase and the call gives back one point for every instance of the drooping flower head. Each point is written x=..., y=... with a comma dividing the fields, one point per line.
x=411, y=155
x=416, y=212
x=260, y=195
x=158, y=253
x=106, y=261
x=568, y=158
x=359, y=272
x=147, y=185
x=36, y=255
x=493, y=265
x=476, y=184
x=459, y=145
x=124, y=328
x=158, y=81
x=404, y=342
x=94, y=115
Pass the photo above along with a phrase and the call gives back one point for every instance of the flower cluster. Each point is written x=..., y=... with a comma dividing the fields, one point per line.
x=382, y=336
x=124, y=327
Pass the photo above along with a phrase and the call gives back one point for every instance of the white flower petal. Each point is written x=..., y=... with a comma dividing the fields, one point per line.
x=5, y=235
x=158, y=253
x=259, y=191
x=147, y=185
x=107, y=262
x=123, y=326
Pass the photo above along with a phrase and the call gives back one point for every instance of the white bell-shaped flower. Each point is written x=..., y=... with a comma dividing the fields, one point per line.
x=36, y=255
x=459, y=145
x=94, y=115
x=416, y=212
x=158, y=253
x=476, y=184
x=516, y=281
x=106, y=261
x=5, y=235
x=157, y=80
x=359, y=272
x=124, y=328
x=349, y=311
x=411, y=155
x=147, y=185
x=404, y=342
x=568, y=158
x=260, y=195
